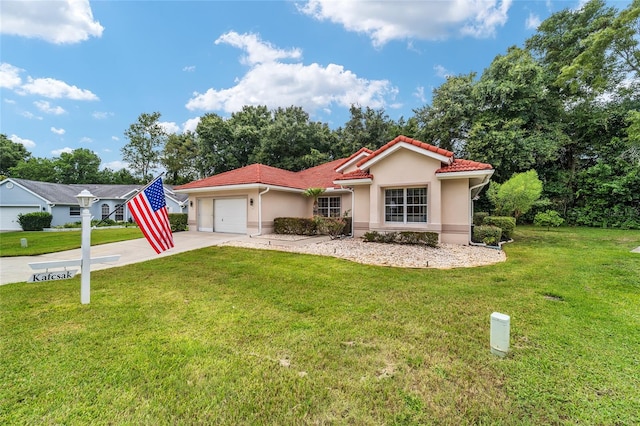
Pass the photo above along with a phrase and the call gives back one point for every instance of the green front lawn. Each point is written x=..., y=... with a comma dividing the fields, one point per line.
x=234, y=336
x=52, y=242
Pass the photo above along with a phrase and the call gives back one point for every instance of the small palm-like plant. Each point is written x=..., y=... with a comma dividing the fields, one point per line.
x=314, y=193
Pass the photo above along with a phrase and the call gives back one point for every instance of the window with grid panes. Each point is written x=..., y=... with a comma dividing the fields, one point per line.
x=329, y=206
x=405, y=205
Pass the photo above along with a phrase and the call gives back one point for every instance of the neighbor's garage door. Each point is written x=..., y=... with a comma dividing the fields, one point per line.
x=230, y=215
x=9, y=217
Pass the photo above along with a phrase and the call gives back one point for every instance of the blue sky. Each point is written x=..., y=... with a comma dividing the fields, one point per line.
x=76, y=74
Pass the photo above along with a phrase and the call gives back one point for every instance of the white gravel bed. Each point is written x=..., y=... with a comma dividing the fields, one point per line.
x=407, y=256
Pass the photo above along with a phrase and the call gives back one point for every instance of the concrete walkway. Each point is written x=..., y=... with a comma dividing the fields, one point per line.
x=17, y=269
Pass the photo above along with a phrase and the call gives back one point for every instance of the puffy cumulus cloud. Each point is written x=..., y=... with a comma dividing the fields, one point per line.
x=47, y=108
x=26, y=142
x=61, y=150
x=115, y=165
x=115, y=138
x=401, y=20
x=10, y=76
x=190, y=125
x=169, y=127
x=99, y=115
x=58, y=22
x=277, y=84
x=55, y=89
x=58, y=131
x=30, y=115
x=189, y=68
x=533, y=22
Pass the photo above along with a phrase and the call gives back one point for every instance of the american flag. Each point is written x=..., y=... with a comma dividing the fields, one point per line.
x=149, y=210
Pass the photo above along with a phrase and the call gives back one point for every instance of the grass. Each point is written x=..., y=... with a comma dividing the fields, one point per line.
x=52, y=242
x=238, y=336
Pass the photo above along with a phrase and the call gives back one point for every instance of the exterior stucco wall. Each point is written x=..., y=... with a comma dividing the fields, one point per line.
x=402, y=169
x=456, y=211
x=283, y=204
x=360, y=211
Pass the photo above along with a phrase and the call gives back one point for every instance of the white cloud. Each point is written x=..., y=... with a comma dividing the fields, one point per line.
x=429, y=20
x=189, y=68
x=58, y=22
x=86, y=139
x=58, y=131
x=10, y=101
x=61, y=150
x=276, y=84
x=47, y=108
x=55, y=89
x=99, y=115
x=441, y=71
x=419, y=93
x=533, y=22
x=115, y=165
x=169, y=127
x=10, y=76
x=26, y=142
x=190, y=125
x=115, y=138
x=30, y=115
x=258, y=51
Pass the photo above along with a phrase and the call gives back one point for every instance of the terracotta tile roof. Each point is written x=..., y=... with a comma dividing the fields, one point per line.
x=352, y=156
x=460, y=165
x=409, y=141
x=321, y=176
x=356, y=174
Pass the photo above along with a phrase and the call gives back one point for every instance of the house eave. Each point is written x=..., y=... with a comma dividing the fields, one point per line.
x=403, y=145
x=461, y=175
x=354, y=182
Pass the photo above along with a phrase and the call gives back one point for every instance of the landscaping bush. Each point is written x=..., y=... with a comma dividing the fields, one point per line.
x=332, y=226
x=178, y=221
x=549, y=218
x=478, y=218
x=294, y=226
x=406, y=237
x=506, y=223
x=35, y=221
x=488, y=234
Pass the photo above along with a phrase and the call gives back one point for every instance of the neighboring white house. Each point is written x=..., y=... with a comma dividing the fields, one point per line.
x=27, y=196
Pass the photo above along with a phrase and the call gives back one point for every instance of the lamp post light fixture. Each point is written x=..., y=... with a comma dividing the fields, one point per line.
x=85, y=199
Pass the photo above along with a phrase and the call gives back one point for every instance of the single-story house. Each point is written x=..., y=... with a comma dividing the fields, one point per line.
x=27, y=196
x=404, y=185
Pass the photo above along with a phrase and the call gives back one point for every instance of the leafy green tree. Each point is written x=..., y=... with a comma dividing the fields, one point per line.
x=35, y=168
x=146, y=140
x=548, y=218
x=447, y=122
x=214, y=145
x=118, y=177
x=367, y=127
x=179, y=158
x=11, y=153
x=79, y=166
x=247, y=127
x=517, y=195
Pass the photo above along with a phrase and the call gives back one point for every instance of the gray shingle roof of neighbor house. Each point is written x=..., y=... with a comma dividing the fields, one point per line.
x=58, y=193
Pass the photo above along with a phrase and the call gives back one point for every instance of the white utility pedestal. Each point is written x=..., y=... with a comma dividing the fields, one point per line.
x=500, y=330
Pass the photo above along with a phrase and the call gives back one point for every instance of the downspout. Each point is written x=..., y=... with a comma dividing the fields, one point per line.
x=260, y=194
x=480, y=185
x=353, y=206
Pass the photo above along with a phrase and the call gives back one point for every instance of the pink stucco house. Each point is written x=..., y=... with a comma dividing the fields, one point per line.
x=404, y=185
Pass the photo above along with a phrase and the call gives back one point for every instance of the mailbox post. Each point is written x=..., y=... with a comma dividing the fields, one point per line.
x=85, y=199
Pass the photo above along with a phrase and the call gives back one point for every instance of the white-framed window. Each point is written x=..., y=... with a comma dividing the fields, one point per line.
x=329, y=206
x=119, y=213
x=74, y=211
x=405, y=205
x=105, y=211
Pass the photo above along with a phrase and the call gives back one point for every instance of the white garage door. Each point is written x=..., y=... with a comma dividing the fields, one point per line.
x=9, y=217
x=230, y=215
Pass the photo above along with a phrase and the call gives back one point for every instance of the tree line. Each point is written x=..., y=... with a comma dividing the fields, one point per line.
x=565, y=104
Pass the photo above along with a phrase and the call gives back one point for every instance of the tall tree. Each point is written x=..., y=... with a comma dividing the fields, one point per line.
x=179, y=158
x=79, y=166
x=247, y=127
x=447, y=121
x=11, y=153
x=214, y=139
x=35, y=168
x=367, y=127
x=146, y=140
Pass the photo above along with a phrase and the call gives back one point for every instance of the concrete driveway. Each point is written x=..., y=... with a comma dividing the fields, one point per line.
x=17, y=269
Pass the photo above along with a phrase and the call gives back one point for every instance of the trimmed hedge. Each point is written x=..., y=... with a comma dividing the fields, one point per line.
x=478, y=218
x=488, y=234
x=178, y=221
x=429, y=239
x=36, y=221
x=506, y=223
x=294, y=226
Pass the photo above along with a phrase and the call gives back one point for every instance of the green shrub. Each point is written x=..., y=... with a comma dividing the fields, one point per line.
x=35, y=221
x=294, y=226
x=332, y=226
x=478, y=218
x=178, y=221
x=506, y=223
x=405, y=237
x=548, y=218
x=488, y=234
